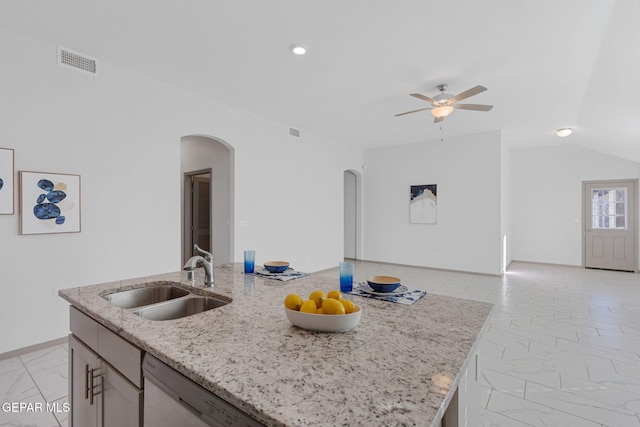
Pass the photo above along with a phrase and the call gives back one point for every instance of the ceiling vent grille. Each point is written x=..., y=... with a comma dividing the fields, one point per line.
x=294, y=132
x=76, y=60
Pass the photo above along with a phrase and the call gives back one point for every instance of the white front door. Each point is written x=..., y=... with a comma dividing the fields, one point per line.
x=610, y=224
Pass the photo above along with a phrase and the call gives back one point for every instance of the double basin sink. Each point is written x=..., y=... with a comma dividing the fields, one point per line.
x=164, y=301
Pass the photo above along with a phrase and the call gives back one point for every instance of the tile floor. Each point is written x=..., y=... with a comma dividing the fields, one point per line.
x=562, y=348
x=38, y=378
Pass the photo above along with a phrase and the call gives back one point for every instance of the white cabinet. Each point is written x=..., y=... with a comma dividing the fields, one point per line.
x=105, y=377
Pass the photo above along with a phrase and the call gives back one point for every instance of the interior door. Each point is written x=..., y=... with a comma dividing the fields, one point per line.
x=202, y=211
x=610, y=224
x=350, y=218
x=197, y=217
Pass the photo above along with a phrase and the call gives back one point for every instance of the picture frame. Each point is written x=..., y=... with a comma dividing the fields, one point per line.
x=423, y=204
x=49, y=203
x=7, y=162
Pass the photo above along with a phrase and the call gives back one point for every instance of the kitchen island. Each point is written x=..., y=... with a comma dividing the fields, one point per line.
x=402, y=365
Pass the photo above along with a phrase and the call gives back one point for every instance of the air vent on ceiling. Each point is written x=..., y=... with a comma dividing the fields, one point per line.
x=76, y=60
x=294, y=132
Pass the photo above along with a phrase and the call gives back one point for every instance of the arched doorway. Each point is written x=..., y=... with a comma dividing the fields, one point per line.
x=206, y=170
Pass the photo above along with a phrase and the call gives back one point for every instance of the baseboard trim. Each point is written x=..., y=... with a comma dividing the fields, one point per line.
x=35, y=347
x=477, y=273
x=551, y=264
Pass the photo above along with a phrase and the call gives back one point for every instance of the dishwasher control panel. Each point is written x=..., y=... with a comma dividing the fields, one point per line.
x=203, y=405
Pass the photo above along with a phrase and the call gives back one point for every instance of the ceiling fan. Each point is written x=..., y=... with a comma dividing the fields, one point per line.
x=443, y=104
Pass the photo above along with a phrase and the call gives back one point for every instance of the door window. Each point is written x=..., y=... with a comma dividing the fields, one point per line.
x=609, y=208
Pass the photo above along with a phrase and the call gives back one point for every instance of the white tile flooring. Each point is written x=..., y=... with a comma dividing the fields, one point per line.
x=38, y=378
x=562, y=348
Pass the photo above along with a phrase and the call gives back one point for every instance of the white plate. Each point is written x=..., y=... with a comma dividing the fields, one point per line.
x=325, y=322
x=399, y=290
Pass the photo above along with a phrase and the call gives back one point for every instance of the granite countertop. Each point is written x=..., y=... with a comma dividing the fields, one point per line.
x=399, y=366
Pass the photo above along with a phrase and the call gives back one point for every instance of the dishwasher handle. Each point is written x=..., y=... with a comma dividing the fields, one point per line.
x=190, y=408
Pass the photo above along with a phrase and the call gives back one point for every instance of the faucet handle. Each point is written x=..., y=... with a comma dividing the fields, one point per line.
x=207, y=255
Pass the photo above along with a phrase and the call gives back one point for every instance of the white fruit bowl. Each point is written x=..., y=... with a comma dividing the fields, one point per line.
x=325, y=322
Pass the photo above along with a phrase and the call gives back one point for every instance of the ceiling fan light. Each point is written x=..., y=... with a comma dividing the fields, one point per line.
x=443, y=111
x=564, y=132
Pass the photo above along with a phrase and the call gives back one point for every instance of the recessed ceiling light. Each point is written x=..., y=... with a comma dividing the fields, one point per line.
x=563, y=132
x=298, y=49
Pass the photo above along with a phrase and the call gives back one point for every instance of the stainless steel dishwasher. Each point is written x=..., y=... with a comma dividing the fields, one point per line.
x=171, y=399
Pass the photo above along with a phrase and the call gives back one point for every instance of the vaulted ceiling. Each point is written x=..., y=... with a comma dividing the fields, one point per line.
x=547, y=64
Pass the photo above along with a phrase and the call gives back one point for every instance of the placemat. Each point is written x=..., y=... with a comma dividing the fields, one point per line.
x=407, y=298
x=289, y=274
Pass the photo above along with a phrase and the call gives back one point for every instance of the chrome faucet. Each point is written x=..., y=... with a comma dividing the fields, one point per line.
x=206, y=261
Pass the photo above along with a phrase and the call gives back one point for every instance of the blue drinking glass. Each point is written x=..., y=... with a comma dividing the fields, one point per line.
x=249, y=261
x=346, y=276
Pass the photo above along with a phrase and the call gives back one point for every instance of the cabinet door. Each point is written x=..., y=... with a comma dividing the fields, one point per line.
x=464, y=408
x=121, y=400
x=82, y=364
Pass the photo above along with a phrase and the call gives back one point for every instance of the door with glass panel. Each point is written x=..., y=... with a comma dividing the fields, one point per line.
x=610, y=224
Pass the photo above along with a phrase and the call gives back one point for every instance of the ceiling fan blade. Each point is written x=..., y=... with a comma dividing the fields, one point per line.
x=475, y=107
x=414, y=111
x=423, y=97
x=438, y=119
x=466, y=94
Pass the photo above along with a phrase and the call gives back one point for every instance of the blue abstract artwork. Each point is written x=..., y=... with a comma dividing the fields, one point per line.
x=54, y=203
x=49, y=209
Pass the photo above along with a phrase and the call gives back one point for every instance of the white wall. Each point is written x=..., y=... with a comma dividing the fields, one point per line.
x=121, y=132
x=547, y=199
x=467, y=171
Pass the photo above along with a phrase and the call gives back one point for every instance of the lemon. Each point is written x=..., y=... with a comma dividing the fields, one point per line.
x=320, y=311
x=349, y=306
x=318, y=296
x=333, y=306
x=309, y=306
x=335, y=294
x=293, y=302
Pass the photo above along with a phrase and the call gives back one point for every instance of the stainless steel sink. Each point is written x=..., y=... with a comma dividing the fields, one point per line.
x=182, y=307
x=145, y=296
x=164, y=301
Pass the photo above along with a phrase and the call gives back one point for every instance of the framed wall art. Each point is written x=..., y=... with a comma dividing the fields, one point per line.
x=6, y=181
x=49, y=203
x=423, y=204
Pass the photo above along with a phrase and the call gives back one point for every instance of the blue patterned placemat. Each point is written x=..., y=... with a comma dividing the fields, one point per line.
x=289, y=274
x=406, y=298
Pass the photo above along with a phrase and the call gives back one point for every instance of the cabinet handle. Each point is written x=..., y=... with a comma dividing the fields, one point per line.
x=92, y=387
x=86, y=381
